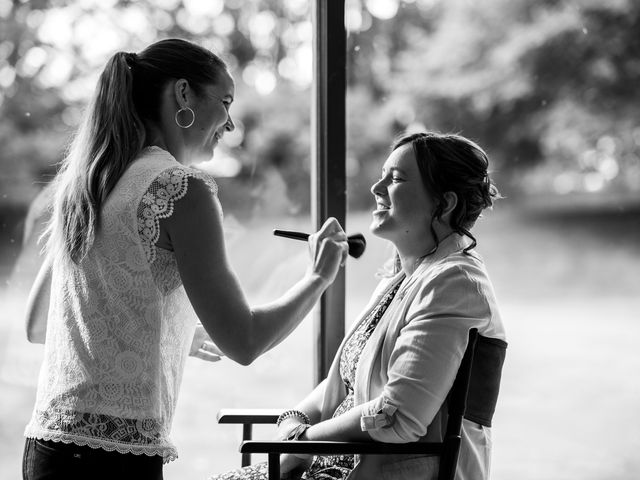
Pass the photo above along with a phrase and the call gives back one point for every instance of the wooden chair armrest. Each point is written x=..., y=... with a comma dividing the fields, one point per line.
x=249, y=415
x=341, y=448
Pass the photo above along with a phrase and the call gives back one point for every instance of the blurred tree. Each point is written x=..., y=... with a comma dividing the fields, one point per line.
x=547, y=85
x=51, y=53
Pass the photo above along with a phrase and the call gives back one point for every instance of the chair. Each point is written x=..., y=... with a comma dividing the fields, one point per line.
x=492, y=352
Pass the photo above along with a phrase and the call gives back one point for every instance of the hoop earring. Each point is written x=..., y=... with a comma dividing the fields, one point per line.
x=185, y=109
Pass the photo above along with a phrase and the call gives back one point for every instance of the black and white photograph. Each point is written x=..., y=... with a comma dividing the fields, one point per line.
x=319, y=239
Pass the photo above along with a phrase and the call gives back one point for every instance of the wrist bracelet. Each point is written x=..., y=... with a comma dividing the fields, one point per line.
x=293, y=413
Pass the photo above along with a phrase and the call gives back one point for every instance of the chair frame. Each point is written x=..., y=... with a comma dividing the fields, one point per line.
x=448, y=450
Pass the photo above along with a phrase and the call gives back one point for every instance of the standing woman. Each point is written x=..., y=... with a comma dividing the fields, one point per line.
x=134, y=241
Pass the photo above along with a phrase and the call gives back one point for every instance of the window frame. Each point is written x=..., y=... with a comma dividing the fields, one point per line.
x=328, y=163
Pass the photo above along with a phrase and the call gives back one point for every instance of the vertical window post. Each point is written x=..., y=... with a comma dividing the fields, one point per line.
x=328, y=177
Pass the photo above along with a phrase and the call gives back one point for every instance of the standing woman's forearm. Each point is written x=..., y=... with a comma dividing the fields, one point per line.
x=242, y=333
x=273, y=322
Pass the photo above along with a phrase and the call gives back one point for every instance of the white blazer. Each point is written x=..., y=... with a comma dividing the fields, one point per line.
x=409, y=364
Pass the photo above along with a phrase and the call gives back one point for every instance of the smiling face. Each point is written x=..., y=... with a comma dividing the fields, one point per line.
x=403, y=206
x=212, y=118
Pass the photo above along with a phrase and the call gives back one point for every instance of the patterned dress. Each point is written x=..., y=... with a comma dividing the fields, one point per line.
x=331, y=467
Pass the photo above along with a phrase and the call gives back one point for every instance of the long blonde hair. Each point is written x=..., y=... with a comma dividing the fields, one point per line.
x=109, y=138
x=112, y=134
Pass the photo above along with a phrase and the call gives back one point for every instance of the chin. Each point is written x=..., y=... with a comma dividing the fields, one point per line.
x=377, y=228
x=203, y=155
x=386, y=230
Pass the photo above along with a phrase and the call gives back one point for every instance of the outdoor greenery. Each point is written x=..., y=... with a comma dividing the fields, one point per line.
x=548, y=86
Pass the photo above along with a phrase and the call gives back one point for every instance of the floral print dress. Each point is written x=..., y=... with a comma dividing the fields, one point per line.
x=331, y=467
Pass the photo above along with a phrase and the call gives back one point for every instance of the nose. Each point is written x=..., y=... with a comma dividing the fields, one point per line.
x=379, y=188
x=229, y=126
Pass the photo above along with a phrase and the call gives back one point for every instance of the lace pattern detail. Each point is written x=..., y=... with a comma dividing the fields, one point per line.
x=167, y=455
x=159, y=200
x=120, y=325
x=105, y=432
x=121, y=430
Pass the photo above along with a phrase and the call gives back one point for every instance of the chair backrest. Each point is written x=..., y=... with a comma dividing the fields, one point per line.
x=484, y=384
x=473, y=395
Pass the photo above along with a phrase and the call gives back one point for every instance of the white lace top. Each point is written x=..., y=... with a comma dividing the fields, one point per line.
x=120, y=324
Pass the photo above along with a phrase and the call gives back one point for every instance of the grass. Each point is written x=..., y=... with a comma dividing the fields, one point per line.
x=569, y=291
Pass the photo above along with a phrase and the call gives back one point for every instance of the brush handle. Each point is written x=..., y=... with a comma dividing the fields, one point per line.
x=357, y=242
x=290, y=234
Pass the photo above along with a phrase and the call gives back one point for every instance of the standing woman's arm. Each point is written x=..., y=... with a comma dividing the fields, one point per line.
x=38, y=304
x=241, y=332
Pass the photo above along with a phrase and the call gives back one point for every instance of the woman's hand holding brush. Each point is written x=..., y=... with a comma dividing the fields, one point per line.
x=357, y=242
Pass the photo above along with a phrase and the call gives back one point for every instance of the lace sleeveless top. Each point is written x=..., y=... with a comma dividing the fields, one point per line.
x=120, y=324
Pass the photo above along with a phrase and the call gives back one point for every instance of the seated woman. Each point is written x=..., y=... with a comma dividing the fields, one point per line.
x=390, y=378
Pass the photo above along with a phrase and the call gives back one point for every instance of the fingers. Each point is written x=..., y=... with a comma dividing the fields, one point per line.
x=327, y=257
x=339, y=248
x=329, y=249
x=206, y=356
x=345, y=254
x=210, y=347
x=204, y=349
x=332, y=228
x=209, y=352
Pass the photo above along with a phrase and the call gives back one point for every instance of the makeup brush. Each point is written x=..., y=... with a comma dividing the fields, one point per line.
x=357, y=242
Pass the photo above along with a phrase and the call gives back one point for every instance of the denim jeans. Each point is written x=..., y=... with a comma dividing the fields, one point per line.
x=46, y=460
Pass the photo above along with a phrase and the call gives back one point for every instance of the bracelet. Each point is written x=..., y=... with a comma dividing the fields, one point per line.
x=293, y=413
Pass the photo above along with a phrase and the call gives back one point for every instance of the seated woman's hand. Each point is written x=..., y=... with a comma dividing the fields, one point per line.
x=287, y=428
x=292, y=465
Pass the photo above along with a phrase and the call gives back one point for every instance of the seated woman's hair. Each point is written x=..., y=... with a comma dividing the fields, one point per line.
x=452, y=163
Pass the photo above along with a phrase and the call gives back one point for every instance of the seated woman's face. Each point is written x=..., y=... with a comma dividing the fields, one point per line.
x=403, y=206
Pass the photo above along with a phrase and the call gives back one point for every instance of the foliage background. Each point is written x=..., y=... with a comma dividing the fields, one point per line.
x=548, y=87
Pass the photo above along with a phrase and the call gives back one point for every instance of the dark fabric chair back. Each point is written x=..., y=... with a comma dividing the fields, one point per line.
x=484, y=384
